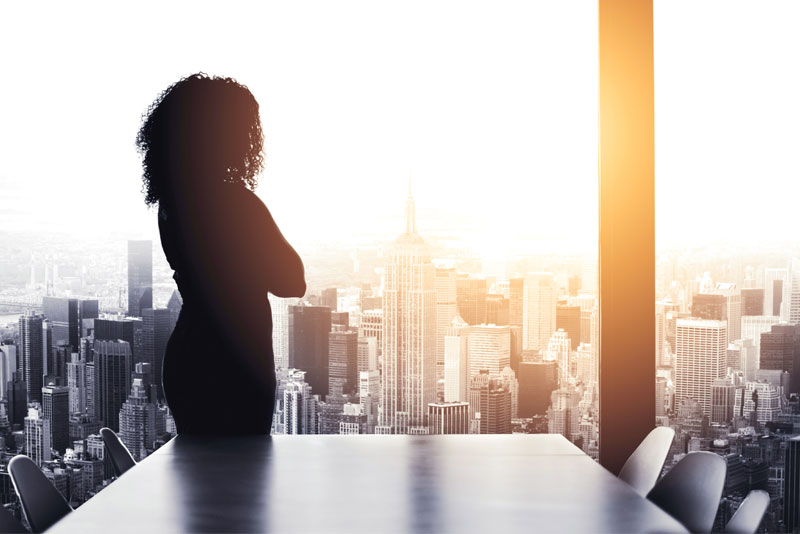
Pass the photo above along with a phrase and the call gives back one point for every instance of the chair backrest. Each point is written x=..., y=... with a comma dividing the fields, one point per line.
x=121, y=457
x=691, y=491
x=749, y=515
x=644, y=466
x=41, y=502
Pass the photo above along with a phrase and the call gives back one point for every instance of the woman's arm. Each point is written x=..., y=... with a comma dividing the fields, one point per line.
x=285, y=275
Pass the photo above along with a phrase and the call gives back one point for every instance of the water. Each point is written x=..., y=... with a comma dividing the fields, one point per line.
x=12, y=318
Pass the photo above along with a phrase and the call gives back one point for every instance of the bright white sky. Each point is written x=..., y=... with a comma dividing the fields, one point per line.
x=489, y=106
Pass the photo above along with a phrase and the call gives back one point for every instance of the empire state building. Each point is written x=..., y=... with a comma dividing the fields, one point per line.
x=409, y=332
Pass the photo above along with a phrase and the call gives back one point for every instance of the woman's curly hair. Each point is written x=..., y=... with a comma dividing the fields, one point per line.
x=201, y=122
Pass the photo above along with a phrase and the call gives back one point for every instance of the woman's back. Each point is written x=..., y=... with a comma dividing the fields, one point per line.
x=201, y=146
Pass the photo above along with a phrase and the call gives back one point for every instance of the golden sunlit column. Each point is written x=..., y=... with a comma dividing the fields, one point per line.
x=627, y=228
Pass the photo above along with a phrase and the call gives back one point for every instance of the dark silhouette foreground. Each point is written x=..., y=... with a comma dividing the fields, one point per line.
x=202, y=149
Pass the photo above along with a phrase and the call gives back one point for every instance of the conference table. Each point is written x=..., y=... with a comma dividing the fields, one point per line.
x=375, y=483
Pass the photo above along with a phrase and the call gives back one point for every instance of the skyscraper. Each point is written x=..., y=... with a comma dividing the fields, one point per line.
x=309, y=327
x=516, y=290
x=140, y=277
x=537, y=380
x=568, y=318
x=112, y=377
x=137, y=421
x=155, y=335
x=723, y=393
x=367, y=354
x=32, y=354
x=37, y=436
x=8, y=365
x=471, y=298
x=489, y=349
x=409, y=331
x=446, y=310
x=55, y=408
x=780, y=351
x=456, y=359
x=559, y=349
x=77, y=384
x=700, y=358
x=116, y=328
x=490, y=404
x=342, y=361
x=774, y=279
x=62, y=314
x=497, y=309
x=539, y=311
x=752, y=301
x=280, y=328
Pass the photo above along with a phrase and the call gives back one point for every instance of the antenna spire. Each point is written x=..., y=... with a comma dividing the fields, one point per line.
x=411, y=220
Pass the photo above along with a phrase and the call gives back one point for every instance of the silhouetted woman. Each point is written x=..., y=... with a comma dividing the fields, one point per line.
x=201, y=144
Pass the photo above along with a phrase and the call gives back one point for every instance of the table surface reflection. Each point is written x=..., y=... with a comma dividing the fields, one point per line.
x=464, y=483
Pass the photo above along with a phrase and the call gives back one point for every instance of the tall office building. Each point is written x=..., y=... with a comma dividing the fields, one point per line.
x=559, y=350
x=369, y=394
x=112, y=377
x=471, y=298
x=137, y=421
x=409, y=332
x=367, y=354
x=489, y=404
x=8, y=365
x=62, y=314
x=497, y=309
x=700, y=358
x=516, y=295
x=568, y=318
x=489, y=349
x=155, y=335
x=752, y=301
x=456, y=360
x=755, y=325
x=31, y=343
x=775, y=286
x=448, y=418
x=17, y=399
x=342, y=361
x=372, y=326
x=563, y=415
x=37, y=437
x=76, y=383
x=309, y=327
x=780, y=351
x=539, y=311
x=280, y=328
x=791, y=485
x=140, y=277
x=330, y=298
x=116, y=327
x=537, y=380
x=723, y=393
x=55, y=408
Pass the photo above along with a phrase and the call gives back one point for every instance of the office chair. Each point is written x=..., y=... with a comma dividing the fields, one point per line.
x=120, y=455
x=644, y=465
x=749, y=515
x=42, y=504
x=691, y=491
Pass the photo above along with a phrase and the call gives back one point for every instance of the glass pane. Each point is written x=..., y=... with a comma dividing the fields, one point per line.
x=727, y=313
x=435, y=165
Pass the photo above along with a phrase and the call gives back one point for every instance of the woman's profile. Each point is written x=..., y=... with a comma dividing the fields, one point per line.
x=201, y=146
